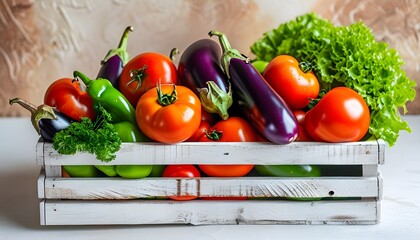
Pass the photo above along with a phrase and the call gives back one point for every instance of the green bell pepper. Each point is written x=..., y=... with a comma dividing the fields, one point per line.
x=81, y=171
x=128, y=132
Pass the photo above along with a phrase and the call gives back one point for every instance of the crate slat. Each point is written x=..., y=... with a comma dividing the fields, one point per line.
x=119, y=188
x=353, y=153
x=201, y=212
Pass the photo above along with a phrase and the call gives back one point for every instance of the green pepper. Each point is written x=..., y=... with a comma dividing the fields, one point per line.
x=104, y=94
x=128, y=132
x=290, y=171
x=81, y=171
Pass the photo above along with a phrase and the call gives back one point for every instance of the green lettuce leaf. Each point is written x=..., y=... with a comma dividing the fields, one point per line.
x=347, y=56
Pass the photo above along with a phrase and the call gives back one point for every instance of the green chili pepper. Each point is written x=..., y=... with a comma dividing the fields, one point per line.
x=104, y=94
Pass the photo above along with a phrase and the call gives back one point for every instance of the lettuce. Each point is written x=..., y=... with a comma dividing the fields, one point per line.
x=347, y=56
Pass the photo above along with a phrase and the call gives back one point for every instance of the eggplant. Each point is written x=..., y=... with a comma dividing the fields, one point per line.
x=199, y=69
x=46, y=120
x=115, y=60
x=259, y=103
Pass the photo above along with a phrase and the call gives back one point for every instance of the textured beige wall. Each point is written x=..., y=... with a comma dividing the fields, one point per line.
x=44, y=40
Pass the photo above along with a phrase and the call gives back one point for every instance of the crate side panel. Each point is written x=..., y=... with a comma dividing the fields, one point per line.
x=228, y=153
x=262, y=187
x=209, y=212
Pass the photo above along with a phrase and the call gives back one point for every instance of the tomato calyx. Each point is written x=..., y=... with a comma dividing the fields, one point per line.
x=214, y=135
x=305, y=66
x=137, y=75
x=166, y=99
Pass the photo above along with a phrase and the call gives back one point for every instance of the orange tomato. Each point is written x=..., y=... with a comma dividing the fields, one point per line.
x=168, y=113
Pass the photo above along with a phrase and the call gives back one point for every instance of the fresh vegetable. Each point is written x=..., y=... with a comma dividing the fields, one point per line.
x=68, y=97
x=234, y=129
x=128, y=132
x=289, y=170
x=105, y=95
x=181, y=171
x=347, y=56
x=302, y=135
x=201, y=131
x=199, y=69
x=143, y=72
x=340, y=116
x=46, y=120
x=98, y=137
x=260, y=65
x=169, y=113
x=294, y=81
x=115, y=60
x=261, y=105
x=81, y=171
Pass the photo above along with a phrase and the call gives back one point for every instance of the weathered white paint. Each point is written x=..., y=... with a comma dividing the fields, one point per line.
x=200, y=212
x=118, y=188
x=370, y=152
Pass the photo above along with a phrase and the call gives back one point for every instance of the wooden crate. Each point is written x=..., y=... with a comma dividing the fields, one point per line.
x=93, y=201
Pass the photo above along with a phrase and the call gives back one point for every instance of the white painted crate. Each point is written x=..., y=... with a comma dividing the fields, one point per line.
x=93, y=201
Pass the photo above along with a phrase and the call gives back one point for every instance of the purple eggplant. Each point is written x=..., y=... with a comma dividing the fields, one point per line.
x=199, y=69
x=115, y=60
x=46, y=120
x=259, y=103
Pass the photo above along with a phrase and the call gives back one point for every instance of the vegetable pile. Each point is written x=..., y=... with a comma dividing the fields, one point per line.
x=347, y=56
x=310, y=81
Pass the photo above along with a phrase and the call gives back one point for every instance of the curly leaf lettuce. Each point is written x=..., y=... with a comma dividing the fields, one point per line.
x=347, y=56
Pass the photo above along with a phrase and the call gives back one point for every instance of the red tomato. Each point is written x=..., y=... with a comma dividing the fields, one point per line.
x=66, y=95
x=169, y=113
x=143, y=72
x=297, y=87
x=177, y=171
x=234, y=129
x=340, y=116
x=201, y=131
x=302, y=135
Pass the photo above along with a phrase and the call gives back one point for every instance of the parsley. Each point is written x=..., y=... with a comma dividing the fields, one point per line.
x=98, y=137
x=347, y=56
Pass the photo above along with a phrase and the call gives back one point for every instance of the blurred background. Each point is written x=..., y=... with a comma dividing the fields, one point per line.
x=44, y=40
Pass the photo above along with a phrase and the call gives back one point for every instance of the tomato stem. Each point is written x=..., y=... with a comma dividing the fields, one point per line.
x=137, y=75
x=166, y=99
x=214, y=135
x=305, y=66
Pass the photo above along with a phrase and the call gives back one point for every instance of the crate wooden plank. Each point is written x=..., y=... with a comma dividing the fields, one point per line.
x=119, y=188
x=40, y=152
x=42, y=213
x=41, y=184
x=228, y=153
x=200, y=212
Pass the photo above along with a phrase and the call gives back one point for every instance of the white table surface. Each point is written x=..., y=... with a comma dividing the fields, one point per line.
x=19, y=212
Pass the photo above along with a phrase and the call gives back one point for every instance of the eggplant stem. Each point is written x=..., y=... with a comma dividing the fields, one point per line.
x=228, y=51
x=121, y=50
x=172, y=54
x=27, y=105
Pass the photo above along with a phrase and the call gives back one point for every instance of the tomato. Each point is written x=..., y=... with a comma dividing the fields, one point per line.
x=302, y=135
x=68, y=97
x=234, y=129
x=177, y=171
x=201, y=131
x=340, y=116
x=143, y=72
x=296, y=86
x=169, y=113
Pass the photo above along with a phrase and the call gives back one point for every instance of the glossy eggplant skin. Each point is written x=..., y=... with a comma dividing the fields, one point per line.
x=198, y=66
x=200, y=63
x=111, y=70
x=260, y=104
x=49, y=127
